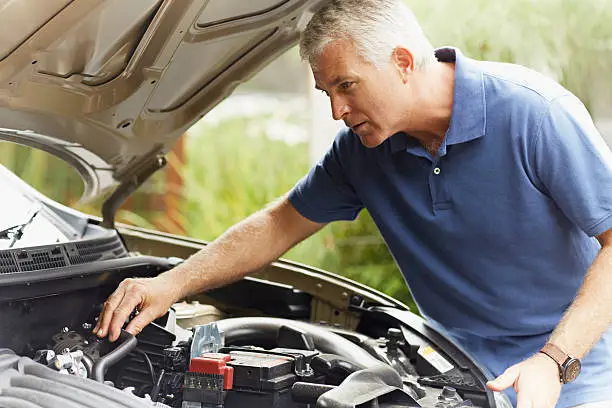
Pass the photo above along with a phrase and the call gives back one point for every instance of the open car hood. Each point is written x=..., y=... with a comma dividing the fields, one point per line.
x=110, y=85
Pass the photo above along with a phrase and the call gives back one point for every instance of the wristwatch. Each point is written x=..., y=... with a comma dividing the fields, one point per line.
x=569, y=367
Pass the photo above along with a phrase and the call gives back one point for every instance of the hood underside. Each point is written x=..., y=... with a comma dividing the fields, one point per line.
x=110, y=85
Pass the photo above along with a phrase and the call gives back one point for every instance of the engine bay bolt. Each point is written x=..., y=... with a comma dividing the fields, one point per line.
x=65, y=330
x=87, y=326
x=448, y=394
x=395, y=337
x=395, y=334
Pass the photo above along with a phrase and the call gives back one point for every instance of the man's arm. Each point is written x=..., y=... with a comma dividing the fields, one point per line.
x=536, y=380
x=244, y=248
x=590, y=315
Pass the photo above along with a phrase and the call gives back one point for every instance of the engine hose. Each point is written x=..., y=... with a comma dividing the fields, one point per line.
x=12, y=402
x=332, y=364
x=364, y=387
x=249, y=330
x=85, y=384
x=8, y=361
x=62, y=390
x=325, y=363
x=127, y=343
x=44, y=399
x=308, y=393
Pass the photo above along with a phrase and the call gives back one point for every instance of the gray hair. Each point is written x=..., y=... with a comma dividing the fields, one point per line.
x=376, y=28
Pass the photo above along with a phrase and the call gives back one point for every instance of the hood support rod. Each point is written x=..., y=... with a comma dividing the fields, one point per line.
x=125, y=189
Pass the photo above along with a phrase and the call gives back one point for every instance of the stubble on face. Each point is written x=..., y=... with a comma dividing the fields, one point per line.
x=368, y=99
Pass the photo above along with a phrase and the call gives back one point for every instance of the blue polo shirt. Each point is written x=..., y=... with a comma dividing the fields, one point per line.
x=494, y=234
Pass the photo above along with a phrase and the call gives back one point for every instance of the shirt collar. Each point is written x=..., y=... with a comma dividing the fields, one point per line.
x=468, y=118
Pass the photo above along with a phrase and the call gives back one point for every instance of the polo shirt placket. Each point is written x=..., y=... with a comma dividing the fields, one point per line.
x=439, y=187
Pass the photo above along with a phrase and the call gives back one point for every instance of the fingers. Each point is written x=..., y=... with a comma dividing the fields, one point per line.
x=141, y=320
x=151, y=296
x=507, y=379
x=108, y=309
x=535, y=380
x=118, y=308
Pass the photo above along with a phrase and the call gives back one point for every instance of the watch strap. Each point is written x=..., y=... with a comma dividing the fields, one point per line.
x=555, y=353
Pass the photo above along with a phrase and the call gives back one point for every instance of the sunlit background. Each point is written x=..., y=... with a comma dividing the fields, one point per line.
x=259, y=142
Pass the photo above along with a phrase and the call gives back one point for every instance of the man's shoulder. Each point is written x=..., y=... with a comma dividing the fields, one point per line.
x=521, y=83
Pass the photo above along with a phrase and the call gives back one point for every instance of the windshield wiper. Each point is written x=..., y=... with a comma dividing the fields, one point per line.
x=16, y=232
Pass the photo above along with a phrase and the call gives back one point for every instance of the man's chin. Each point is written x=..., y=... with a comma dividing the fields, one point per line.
x=369, y=140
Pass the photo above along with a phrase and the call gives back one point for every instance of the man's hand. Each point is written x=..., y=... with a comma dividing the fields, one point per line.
x=535, y=380
x=151, y=296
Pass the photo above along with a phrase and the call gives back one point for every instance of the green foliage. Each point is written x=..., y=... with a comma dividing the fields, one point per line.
x=46, y=173
x=362, y=255
x=570, y=40
x=233, y=172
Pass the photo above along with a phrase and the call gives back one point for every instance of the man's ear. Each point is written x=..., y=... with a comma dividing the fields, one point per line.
x=403, y=60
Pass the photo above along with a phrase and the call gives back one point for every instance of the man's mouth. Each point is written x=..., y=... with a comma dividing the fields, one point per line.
x=355, y=127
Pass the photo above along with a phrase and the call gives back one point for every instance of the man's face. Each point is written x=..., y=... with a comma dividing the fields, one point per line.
x=371, y=101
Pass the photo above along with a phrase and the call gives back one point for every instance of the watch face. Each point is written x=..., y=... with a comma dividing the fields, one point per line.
x=571, y=371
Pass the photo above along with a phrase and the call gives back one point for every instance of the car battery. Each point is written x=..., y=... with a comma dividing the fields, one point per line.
x=207, y=381
x=261, y=380
x=241, y=378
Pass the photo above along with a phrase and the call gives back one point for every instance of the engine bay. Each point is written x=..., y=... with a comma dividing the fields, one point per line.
x=264, y=345
x=223, y=364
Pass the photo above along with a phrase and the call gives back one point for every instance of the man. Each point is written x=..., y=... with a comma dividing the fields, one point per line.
x=488, y=181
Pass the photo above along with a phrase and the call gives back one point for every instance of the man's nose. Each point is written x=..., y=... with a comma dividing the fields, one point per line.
x=339, y=108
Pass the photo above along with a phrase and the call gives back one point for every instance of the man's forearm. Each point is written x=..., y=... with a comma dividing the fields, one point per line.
x=590, y=315
x=244, y=248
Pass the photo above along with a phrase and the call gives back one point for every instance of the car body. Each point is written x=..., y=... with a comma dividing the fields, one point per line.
x=109, y=86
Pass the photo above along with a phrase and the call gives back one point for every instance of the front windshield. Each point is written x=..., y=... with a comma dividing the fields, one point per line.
x=18, y=208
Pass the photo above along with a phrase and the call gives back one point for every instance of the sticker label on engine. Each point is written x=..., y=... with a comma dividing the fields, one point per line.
x=435, y=359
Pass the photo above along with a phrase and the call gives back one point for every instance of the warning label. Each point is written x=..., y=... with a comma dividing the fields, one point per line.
x=435, y=359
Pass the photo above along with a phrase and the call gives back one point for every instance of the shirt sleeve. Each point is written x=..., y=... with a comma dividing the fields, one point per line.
x=574, y=165
x=325, y=194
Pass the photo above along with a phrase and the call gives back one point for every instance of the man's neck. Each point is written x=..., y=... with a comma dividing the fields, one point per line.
x=432, y=111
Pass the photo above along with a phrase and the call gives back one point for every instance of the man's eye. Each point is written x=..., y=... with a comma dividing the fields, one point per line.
x=346, y=85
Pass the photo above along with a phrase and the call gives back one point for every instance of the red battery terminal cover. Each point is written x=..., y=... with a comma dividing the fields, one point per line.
x=214, y=364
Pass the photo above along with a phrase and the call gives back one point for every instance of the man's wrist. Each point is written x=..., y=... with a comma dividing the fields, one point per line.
x=174, y=283
x=568, y=367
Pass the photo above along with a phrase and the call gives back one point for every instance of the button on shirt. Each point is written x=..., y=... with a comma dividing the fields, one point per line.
x=494, y=234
